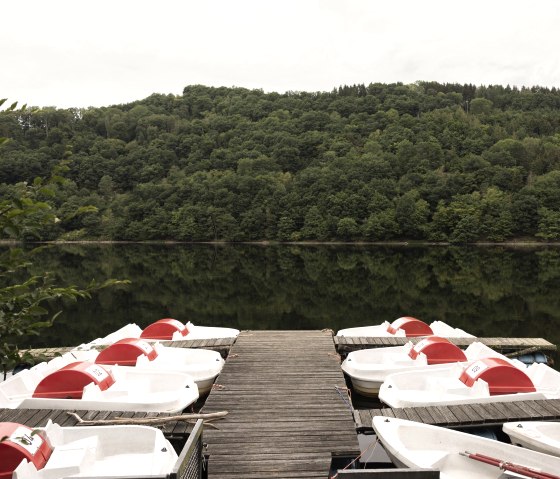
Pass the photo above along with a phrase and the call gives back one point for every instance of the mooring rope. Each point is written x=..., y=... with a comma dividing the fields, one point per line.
x=347, y=399
x=372, y=445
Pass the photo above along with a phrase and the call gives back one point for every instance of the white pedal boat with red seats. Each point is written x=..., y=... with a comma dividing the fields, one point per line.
x=543, y=436
x=459, y=455
x=64, y=383
x=368, y=368
x=166, y=329
x=202, y=364
x=487, y=380
x=56, y=452
x=407, y=326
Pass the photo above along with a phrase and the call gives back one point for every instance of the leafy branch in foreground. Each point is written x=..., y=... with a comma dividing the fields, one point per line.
x=25, y=300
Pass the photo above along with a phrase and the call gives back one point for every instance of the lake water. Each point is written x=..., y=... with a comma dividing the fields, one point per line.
x=488, y=291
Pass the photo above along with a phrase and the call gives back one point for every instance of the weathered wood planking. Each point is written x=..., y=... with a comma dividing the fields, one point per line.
x=222, y=345
x=286, y=417
x=347, y=344
x=467, y=415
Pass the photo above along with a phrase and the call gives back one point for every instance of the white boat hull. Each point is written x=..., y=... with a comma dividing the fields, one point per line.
x=132, y=330
x=103, y=451
x=202, y=364
x=439, y=328
x=441, y=386
x=418, y=445
x=369, y=368
x=135, y=389
x=543, y=436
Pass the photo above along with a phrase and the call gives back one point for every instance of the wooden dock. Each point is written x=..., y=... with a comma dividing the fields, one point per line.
x=289, y=412
x=288, y=409
x=221, y=345
x=466, y=415
x=347, y=344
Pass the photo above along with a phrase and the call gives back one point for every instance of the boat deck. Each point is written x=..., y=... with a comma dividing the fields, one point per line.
x=347, y=344
x=288, y=410
x=467, y=415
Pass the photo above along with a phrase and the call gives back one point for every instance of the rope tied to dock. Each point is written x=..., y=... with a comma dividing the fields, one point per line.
x=348, y=398
x=371, y=446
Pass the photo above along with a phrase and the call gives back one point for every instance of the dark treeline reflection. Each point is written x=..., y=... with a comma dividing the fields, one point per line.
x=488, y=291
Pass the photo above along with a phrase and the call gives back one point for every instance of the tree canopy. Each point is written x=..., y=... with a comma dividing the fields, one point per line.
x=426, y=161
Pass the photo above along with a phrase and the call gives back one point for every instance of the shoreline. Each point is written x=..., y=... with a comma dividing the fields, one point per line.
x=403, y=243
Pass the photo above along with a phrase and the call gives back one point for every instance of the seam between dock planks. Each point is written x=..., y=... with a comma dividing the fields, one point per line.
x=286, y=416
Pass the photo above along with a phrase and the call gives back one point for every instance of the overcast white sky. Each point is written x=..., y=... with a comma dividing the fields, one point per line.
x=92, y=53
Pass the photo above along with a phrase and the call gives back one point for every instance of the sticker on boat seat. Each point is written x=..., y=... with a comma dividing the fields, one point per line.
x=24, y=437
x=19, y=444
x=97, y=372
x=475, y=369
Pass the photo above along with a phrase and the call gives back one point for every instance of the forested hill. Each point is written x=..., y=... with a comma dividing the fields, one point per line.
x=427, y=161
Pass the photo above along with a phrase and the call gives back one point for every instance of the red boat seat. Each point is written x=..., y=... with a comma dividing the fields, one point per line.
x=502, y=377
x=438, y=351
x=126, y=351
x=164, y=329
x=19, y=444
x=69, y=382
x=412, y=327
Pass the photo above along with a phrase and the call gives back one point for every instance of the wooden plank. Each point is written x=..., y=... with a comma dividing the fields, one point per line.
x=552, y=406
x=537, y=411
x=389, y=474
x=346, y=343
x=411, y=414
x=516, y=411
x=460, y=413
x=505, y=413
x=449, y=419
x=285, y=415
x=467, y=415
x=438, y=417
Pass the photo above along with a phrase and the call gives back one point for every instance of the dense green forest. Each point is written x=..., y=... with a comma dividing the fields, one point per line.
x=426, y=161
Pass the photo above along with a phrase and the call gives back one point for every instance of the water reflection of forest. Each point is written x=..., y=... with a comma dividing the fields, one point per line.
x=488, y=291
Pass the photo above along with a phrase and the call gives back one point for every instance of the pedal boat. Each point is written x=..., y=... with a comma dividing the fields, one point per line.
x=64, y=383
x=457, y=455
x=202, y=364
x=56, y=452
x=166, y=329
x=368, y=368
x=543, y=436
x=407, y=326
x=488, y=380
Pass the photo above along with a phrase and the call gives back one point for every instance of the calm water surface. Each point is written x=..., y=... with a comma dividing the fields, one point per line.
x=493, y=291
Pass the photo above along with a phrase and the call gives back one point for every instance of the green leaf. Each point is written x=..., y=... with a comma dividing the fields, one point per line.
x=37, y=310
x=40, y=324
x=2, y=101
x=11, y=231
x=47, y=192
x=13, y=106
